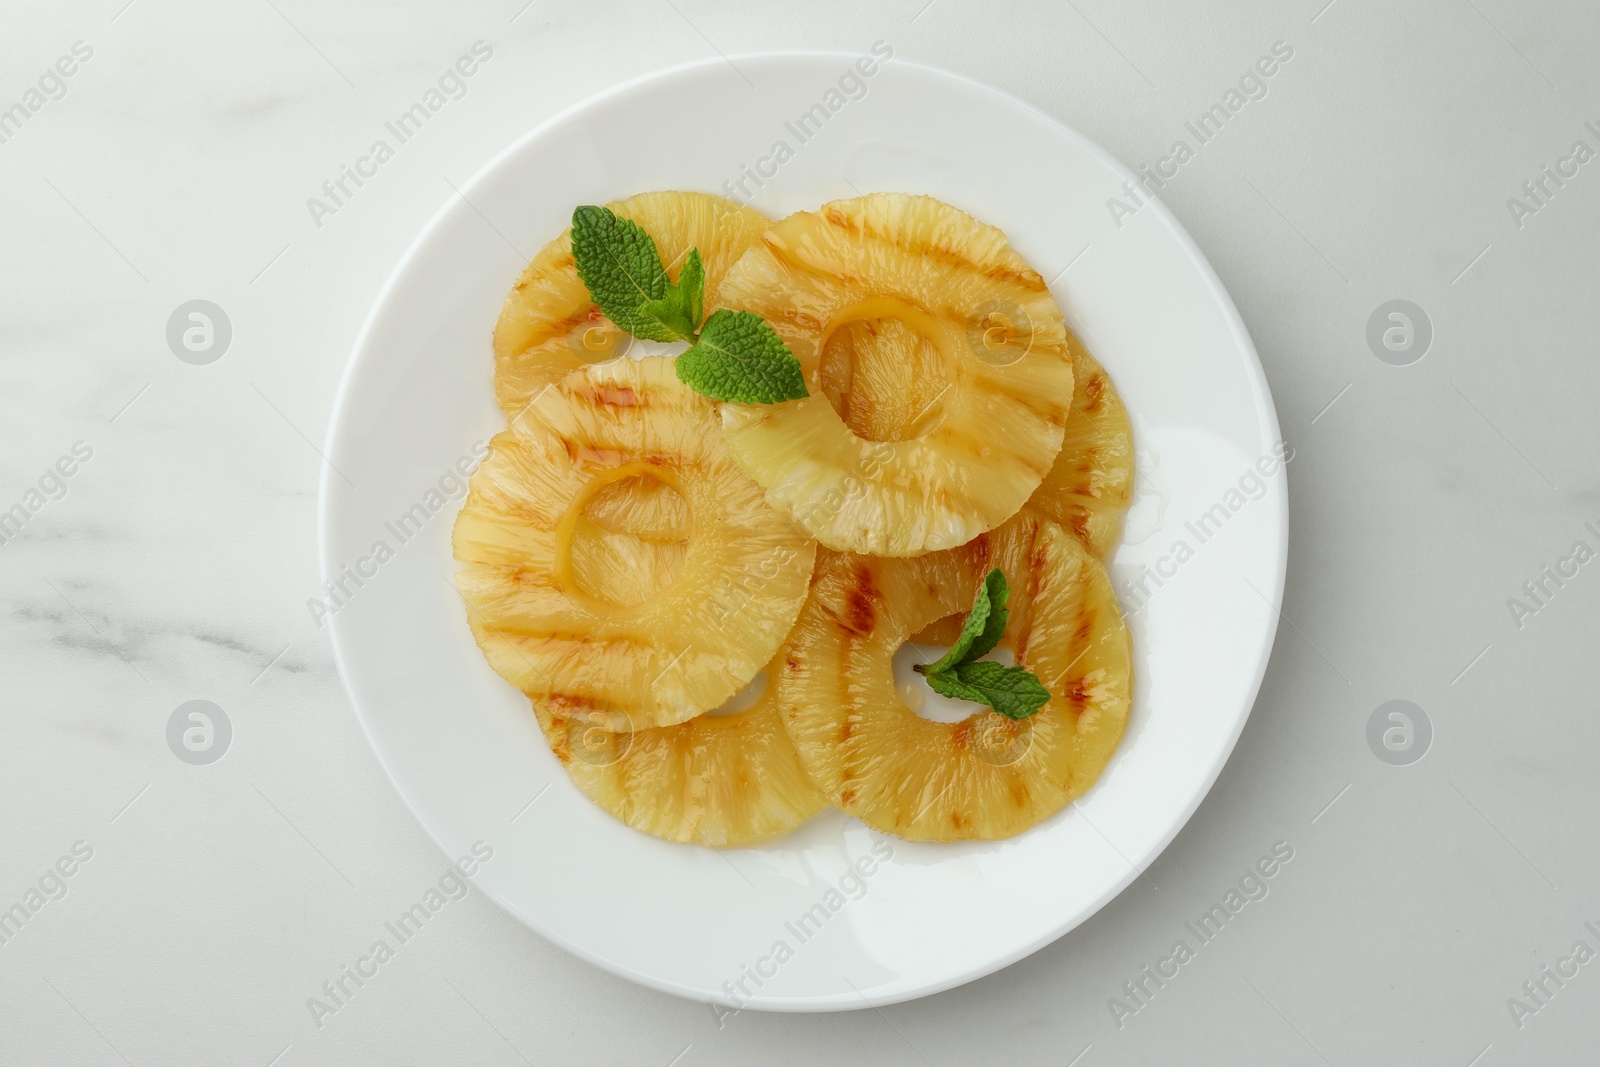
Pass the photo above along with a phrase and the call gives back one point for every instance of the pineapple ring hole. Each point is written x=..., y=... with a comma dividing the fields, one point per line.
x=924, y=647
x=885, y=366
x=623, y=538
x=744, y=700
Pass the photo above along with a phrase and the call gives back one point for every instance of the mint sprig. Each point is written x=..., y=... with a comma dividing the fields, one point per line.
x=736, y=356
x=962, y=674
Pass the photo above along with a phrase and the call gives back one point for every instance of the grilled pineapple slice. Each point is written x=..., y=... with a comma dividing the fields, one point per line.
x=616, y=560
x=987, y=776
x=943, y=349
x=549, y=327
x=1090, y=485
x=722, y=780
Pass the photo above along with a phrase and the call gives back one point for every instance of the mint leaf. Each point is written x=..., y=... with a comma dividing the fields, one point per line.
x=692, y=286
x=679, y=310
x=948, y=685
x=971, y=629
x=740, y=359
x=979, y=633
x=619, y=263
x=1012, y=691
x=670, y=313
x=994, y=627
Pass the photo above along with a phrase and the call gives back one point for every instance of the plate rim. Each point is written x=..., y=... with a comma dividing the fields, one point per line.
x=361, y=354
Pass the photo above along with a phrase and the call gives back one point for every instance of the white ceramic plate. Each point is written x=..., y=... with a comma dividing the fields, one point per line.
x=462, y=747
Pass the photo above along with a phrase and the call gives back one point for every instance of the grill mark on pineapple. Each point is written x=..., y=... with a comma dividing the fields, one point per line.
x=1084, y=628
x=544, y=273
x=1020, y=628
x=1026, y=277
x=860, y=602
x=588, y=315
x=574, y=709
x=1036, y=403
x=617, y=396
x=555, y=274
x=580, y=453
x=554, y=330
x=850, y=770
x=1038, y=565
x=788, y=259
x=566, y=705
x=960, y=441
x=973, y=555
x=556, y=642
x=1078, y=469
x=961, y=735
x=560, y=743
x=525, y=577
x=1079, y=518
x=1094, y=393
x=1077, y=694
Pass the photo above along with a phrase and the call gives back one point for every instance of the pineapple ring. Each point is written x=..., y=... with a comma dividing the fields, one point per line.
x=717, y=604
x=1001, y=345
x=549, y=327
x=718, y=780
x=987, y=776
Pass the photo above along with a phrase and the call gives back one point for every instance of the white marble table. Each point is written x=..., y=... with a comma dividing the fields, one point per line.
x=159, y=515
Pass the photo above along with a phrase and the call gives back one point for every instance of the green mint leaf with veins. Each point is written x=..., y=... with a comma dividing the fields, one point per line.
x=946, y=684
x=971, y=630
x=981, y=631
x=994, y=627
x=1014, y=692
x=741, y=359
x=679, y=311
x=692, y=284
x=619, y=263
x=670, y=314
x=961, y=674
